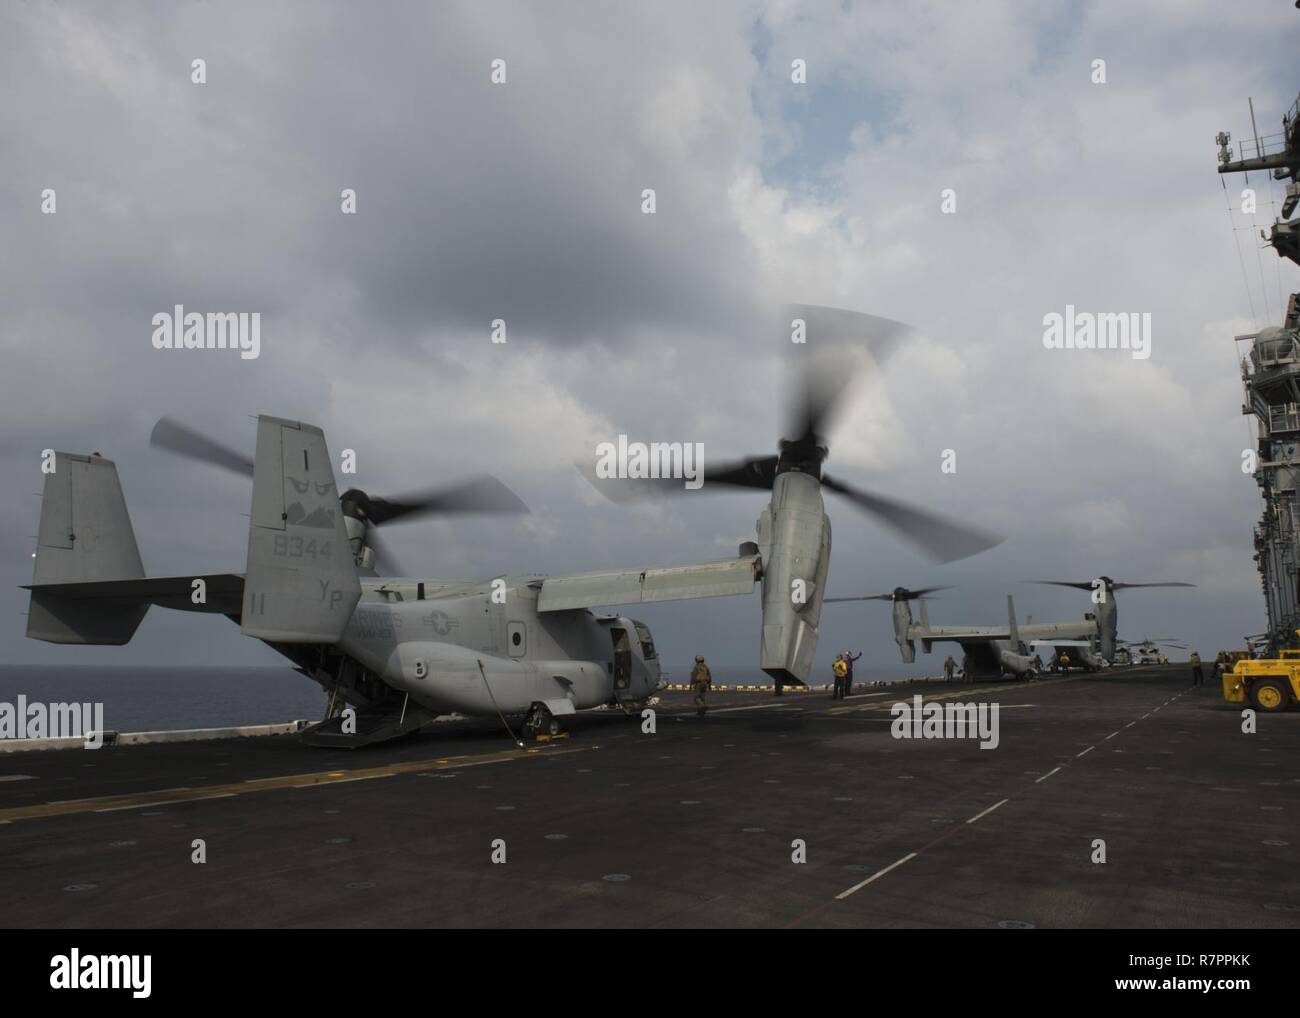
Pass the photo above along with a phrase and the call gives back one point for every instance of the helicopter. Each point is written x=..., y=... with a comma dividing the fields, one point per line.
x=1147, y=651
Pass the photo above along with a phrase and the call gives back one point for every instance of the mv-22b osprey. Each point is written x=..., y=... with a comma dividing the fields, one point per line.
x=987, y=651
x=403, y=651
x=991, y=651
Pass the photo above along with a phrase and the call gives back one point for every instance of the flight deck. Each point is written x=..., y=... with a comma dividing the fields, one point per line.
x=800, y=812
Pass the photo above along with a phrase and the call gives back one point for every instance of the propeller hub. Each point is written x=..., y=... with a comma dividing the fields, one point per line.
x=356, y=504
x=805, y=455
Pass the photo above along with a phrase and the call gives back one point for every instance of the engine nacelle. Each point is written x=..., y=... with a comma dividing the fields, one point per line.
x=794, y=538
x=902, y=623
x=1107, y=625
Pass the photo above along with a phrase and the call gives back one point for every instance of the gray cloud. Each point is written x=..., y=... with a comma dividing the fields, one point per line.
x=522, y=202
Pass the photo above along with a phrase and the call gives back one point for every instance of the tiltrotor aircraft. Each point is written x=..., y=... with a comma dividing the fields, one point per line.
x=402, y=651
x=1104, y=608
x=988, y=651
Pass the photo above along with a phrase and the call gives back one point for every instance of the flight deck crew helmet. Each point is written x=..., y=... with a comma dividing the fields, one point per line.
x=699, y=659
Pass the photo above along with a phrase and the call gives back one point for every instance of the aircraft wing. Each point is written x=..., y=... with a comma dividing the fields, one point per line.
x=647, y=586
x=1080, y=630
x=961, y=634
x=224, y=592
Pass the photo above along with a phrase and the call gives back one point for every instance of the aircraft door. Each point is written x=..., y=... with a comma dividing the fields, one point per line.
x=622, y=659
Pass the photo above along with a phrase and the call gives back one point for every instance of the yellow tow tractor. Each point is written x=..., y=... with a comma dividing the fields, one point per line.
x=1270, y=683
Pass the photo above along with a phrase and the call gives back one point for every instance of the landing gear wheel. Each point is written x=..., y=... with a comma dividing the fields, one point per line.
x=541, y=721
x=1269, y=695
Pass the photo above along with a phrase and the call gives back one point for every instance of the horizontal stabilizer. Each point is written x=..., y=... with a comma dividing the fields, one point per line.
x=646, y=586
x=221, y=592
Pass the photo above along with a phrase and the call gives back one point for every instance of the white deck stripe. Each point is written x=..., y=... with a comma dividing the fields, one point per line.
x=875, y=876
x=977, y=816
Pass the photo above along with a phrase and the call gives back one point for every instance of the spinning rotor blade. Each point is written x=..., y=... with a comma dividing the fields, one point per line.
x=898, y=595
x=172, y=435
x=942, y=539
x=479, y=495
x=829, y=360
x=385, y=563
x=756, y=472
x=1090, y=584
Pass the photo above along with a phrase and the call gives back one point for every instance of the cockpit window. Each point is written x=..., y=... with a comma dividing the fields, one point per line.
x=647, y=641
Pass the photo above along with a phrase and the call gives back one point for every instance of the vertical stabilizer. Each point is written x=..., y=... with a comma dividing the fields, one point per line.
x=85, y=536
x=301, y=582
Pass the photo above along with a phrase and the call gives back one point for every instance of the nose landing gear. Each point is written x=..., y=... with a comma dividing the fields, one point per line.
x=541, y=723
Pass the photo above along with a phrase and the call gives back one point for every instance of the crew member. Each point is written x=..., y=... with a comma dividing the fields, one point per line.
x=1198, y=675
x=701, y=680
x=840, y=670
x=848, y=677
x=949, y=666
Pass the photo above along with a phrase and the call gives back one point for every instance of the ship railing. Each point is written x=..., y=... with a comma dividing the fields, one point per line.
x=1265, y=145
x=1283, y=417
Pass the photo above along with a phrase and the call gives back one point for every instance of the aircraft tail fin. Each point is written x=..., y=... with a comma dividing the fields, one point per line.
x=85, y=536
x=301, y=584
x=1011, y=619
x=926, y=645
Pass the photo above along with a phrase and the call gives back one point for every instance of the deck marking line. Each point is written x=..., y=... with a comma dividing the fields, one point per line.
x=160, y=796
x=977, y=816
x=142, y=805
x=880, y=873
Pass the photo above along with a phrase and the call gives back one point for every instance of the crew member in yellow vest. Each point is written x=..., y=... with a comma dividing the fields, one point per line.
x=848, y=659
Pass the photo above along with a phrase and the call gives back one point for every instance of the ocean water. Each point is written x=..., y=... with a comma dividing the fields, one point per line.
x=165, y=699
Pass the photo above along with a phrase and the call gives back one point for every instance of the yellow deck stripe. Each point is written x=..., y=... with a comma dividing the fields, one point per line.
x=185, y=794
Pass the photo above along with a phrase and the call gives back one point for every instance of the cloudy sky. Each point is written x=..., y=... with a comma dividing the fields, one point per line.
x=522, y=201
